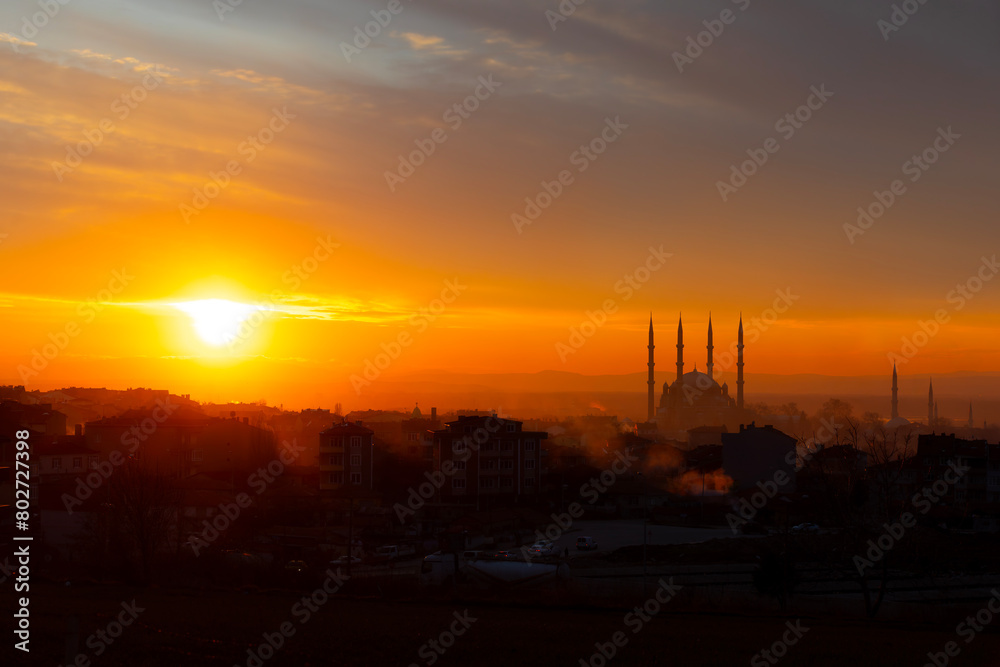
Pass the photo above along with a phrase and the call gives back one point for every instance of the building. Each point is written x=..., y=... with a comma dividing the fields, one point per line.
x=39, y=419
x=706, y=435
x=696, y=399
x=64, y=455
x=489, y=457
x=418, y=435
x=180, y=441
x=756, y=454
x=44, y=425
x=993, y=475
x=346, y=457
x=937, y=452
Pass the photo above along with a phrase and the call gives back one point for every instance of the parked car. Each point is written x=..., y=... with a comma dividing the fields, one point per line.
x=296, y=566
x=806, y=528
x=506, y=554
x=343, y=560
x=393, y=552
x=586, y=543
x=543, y=548
x=472, y=555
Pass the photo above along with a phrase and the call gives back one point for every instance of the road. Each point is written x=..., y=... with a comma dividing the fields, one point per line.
x=611, y=535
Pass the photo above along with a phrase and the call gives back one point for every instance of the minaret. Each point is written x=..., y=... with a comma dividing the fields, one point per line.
x=680, y=349
x=649, y=407
x=930, y=404
x=895, y=393
x=711, y=365
x=935, y=411
x=739, y=366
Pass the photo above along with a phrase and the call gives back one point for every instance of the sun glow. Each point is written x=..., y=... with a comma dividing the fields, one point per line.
x=217, y=321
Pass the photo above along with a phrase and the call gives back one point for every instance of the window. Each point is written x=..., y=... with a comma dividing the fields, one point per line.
x=529, y=445
x=355, y=478
x=458, y=447
x=511, y=428
x=529, y=481
x=488, y=483
x=56, y=463
x=529, y=464
x=507, y=446
x=92, y=461
x=458, y=483
x=413, y=437
x=336, y=459
x=355, y=441
x=355, y=459
x=196, y=455
x=506, y=482
x=506, y=465
x=336, y=478
x=490, y=465
x=490, y=446
x=77, y=462
x=459, y=465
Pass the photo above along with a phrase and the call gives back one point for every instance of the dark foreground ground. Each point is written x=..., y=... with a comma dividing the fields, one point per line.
x=216, y=628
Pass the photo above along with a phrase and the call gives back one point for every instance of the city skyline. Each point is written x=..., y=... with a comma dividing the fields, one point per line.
x=483, y=332
x=216, y=188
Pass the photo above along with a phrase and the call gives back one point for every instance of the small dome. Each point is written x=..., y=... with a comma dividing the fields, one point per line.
x=416, y=414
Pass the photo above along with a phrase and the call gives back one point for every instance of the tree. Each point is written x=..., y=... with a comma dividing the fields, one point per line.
x=791, y=409
x=760, y=408
x=836, y=410
x=142, y=503
x=871, y=420
x=868, y=506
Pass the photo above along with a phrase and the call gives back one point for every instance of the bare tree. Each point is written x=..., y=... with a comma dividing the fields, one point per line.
x=888, y=452
x=142, y=502
x=835, y=410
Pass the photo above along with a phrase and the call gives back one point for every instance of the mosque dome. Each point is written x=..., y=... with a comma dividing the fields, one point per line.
x=698, y=380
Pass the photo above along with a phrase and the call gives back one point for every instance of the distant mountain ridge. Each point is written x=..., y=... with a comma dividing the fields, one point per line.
x=960, y=383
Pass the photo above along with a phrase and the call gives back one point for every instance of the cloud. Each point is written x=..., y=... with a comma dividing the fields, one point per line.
x=15, y=40
x=422, y=41
x=429, y=44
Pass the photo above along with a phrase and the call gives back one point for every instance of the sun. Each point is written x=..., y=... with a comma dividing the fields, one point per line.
x=217, y=321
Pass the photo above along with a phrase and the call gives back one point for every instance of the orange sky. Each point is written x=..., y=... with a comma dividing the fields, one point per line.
x=307, y=227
